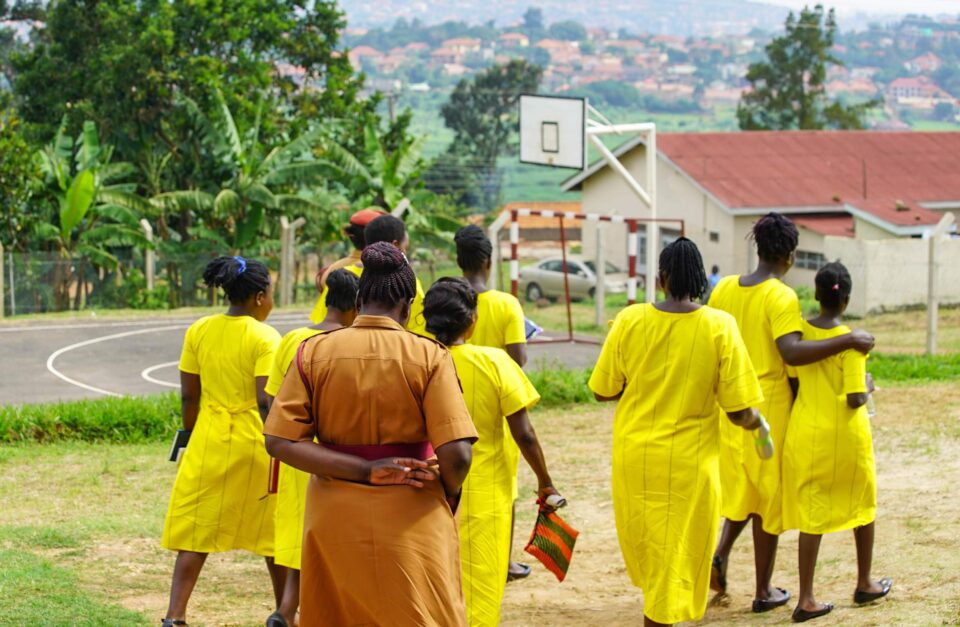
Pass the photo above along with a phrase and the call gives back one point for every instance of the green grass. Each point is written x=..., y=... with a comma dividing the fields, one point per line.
x=910, y=368
x=127, y=419
x=35, y=592
x=562, y=386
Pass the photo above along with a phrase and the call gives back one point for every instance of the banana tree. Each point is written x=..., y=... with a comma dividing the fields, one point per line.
x=91, y=215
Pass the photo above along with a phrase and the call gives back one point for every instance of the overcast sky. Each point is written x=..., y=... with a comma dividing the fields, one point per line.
x=880, y=6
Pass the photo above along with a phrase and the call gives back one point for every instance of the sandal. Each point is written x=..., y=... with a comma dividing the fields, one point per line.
x=172, y=622
x=802, y=616
x=860, y=597
x=765, y=605
x=277, y=620
x=522, y=571
x=718, y=574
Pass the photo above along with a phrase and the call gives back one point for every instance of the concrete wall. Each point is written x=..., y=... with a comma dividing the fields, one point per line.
x=892, y=273
x=866, y=230
x=607, y=194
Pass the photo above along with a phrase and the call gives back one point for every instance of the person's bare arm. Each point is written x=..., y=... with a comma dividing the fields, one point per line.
x=606, y=399
x=454, y=459
x=319, y=460
x=747, y=418
x=263, y=399
x=518, y=352
x=189, y=399
x=799, y=352
x=526, y=438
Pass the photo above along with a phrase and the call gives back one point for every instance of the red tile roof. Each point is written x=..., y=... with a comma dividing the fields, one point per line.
x=871, y=171
x=841, y=226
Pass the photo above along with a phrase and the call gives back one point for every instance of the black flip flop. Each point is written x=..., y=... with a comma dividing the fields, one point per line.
x=860, y=597
x=172, y=622
x=718, y=574
x=802, y=616
x=277, y=620
x=524, y=572
x=765, y=605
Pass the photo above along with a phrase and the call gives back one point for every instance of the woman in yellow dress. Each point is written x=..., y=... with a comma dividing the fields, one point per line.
x=341, y=308
x=670, y=365
x=768, y=314
x=219, y=500
x=500, y=324
x=498, y=395
x=390, y=229
x=829, y=478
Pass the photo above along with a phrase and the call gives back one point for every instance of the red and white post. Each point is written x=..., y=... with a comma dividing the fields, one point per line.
x=514, y=257
x=632, y=246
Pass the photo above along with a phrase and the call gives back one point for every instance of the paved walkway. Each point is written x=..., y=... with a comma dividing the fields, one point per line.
x=64, y=360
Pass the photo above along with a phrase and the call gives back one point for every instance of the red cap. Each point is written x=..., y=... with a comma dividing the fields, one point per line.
x=365, y=216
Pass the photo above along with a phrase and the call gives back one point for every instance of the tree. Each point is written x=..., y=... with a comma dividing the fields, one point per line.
x=567, y=30
x=533, y=20
x=788, y=90
x=19, y=182
x=482, y=112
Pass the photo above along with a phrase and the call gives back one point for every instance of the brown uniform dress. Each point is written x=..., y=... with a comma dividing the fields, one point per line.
x=376, y=555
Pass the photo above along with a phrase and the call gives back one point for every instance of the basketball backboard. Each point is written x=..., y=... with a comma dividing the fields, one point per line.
x=553, y=131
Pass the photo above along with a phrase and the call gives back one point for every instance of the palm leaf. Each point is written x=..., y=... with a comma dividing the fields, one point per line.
x=89, y=152
x=191, y=200
x=226, y=203
x=76, y=203
x=300, y=174
x=346, y=161
x=301, y=146
x=228, y=128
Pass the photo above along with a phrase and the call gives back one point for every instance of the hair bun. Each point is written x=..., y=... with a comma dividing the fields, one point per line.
x=382, y=258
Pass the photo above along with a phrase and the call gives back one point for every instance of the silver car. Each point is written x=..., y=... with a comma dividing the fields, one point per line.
x=545, y=279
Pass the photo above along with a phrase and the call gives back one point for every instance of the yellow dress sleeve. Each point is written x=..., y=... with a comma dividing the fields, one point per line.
x=319, y=308
x=281, y=361
x=608, y=378
x=444, y=410
x=188, y=356
x=266, y=349
x=417, y=323
x=785, y=315
x=854, y=366
x=738, y=387
x=515, y=331
x=516, y=390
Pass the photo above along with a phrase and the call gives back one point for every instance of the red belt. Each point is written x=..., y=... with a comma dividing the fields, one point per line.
x=371, y=452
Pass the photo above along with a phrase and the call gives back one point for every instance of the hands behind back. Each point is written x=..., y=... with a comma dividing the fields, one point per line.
x=401, y=471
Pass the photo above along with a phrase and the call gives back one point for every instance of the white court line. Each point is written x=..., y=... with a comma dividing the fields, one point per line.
x=61, y=327
x=53, y=356
x=148, y=372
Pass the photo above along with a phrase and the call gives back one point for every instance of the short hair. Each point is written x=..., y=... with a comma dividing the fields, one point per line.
x=386, y=228
x=682, y=265
x=387, y=277
x=448, y=307
x=473, y=248
x=342, y=286
x=240, y=278
x=776, y=237
x=355, y=233
x=833, y=284
x=715, y=269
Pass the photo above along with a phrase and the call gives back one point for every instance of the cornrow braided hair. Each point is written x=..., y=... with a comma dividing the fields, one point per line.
x=776, y=237
x=342, y=288
x=682, y=267
x=240, y=278
x=833, y=284
x=387, y=277
x=473, y=248
x=449, y=307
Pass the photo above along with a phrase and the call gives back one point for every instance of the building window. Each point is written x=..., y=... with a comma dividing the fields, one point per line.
x=810, y=261
x=714, y=236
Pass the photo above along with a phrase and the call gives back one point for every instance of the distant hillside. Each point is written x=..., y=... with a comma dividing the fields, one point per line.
x=669, y=17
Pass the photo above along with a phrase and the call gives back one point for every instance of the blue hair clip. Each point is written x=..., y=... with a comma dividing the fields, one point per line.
x=243, y=264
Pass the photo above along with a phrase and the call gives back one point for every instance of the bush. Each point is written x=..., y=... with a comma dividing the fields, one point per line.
x=562, y=386
x=126, y=419
x=913, y=368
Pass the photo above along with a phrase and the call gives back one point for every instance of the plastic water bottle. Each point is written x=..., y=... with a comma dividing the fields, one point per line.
x=871, y=406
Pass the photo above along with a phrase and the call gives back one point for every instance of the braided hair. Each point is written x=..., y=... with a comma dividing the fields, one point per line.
x=386, y=228
x=833, y=285
x=473, y=248
x=387, y=277
x=776, y=237
x=449, y=307
x=240, y=278
x=681, y=269
x=342, y=288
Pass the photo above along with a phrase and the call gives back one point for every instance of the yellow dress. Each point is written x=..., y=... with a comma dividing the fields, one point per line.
x=417, y=323
x=219, y=500
x=763, y=313
x=829, y=477
x=673, y=369
x=292, y=483
x=500, y=322
x=494, y=387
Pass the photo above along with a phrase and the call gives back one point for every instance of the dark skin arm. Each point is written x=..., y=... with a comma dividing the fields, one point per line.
x=518, y=352
x=264, y=400
x=607, y=399
x=454, y=459
x=855, y=401
x=319, y=460
x=799, y=352
x=746, y=418
x=526, y=438
x=189, y=399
